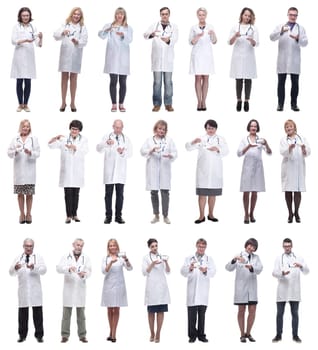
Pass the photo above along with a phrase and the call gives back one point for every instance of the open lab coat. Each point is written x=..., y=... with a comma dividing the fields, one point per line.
x=288, y=60
x=74, y=291
x=24, y=166
x=198, y=285
x=115, y=164
x=30, y=289
x=70, y=54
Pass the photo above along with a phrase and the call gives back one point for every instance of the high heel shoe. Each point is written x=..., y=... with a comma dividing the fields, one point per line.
x=62, y=109
x=28, y=219
x=22, y=219
x=297, y=218
x=73, y=109
x=290, y=218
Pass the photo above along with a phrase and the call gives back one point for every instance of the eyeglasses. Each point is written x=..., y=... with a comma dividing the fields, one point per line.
x=164, y=14
x=28, y=246
x=293, y=14
x=287, y=246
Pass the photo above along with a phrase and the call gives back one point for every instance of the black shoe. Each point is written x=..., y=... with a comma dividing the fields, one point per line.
x=212, y=219
x=203, y=109
x=199, y=109
x=238, y=106
x=297, y=218
x=296, y=339
x=243, y=339
x=295, y=108
x=250, y=338
x=191, y=340
x=252, y=219
x=277, y=338
x=107, y=220
x=280, y=108
x=246, y=106
x=21, y=340
x=120, y=220
x=73, y=109
x=204, y=340
x=290, y=218
x=199, y=221
x=113, y=340
x=40, y=340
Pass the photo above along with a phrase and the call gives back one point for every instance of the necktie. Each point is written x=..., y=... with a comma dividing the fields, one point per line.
x=249, y=258
x=117, y=139
x=27, y=258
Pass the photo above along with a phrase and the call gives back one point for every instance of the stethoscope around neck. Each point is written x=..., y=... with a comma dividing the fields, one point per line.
x=291, y=255
x=23, y=143
x=249, y=32
x=295, y=25
x=113, y=136
x=295, y=139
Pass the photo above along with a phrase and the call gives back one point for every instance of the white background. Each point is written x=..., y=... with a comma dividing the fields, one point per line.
x=53, y=238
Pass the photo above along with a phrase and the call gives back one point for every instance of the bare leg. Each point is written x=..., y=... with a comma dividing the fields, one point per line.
x=160, y=317
x=253, y=204
x=73, y=86
x=250, y=318
x=151, y=321
x=205, y=87
x=202, y=202
x=246, y=202
x=211, y=203
x=198, y=89
x=115, y=322
x=64, y=84
x=241, y=318
x=29, y=201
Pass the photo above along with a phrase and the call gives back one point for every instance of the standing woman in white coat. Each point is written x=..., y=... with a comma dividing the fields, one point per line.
x=157, y=297
x=24, y=149
x=73, y=35
x=201, y=37
x=117, y=60
x=252, y=176
x=247, y=266
x=114, y=293
x=244, y=37
x=294, y=149
x=160, y=152
x=209, y=175
x=73, y=150
x=24, y=35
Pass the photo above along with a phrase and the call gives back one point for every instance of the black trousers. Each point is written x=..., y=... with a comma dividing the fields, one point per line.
x=247, y=88
x=196, y=313
x=37, y=321
x=23, y=93
x=71, y=196
x=294, y=305
x=293, y=92
x=113, y=87
x=109, y=189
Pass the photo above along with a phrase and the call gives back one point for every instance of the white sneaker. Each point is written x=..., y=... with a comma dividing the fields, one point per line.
x=27, y=109
x=166, y=220
x=155, y=219
x=20, y=109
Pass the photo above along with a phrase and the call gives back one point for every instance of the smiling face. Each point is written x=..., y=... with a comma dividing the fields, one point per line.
x=246, y=17
x=250, y=249
x=76, y=16
x=292, y=16
x=253, y=128
x=154, y=248
x=74, y=132
x=290, y=129
x=112, y=247
x=201, y=16
x=25, y=129
x=119, y=17
x=25, y=17
x=160, y=131
x=201, y=247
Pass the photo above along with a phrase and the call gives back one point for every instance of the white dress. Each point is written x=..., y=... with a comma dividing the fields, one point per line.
x=23, y=63
x=293, y=165
x=117, y=58
x=114, y=289
x=243, y=63
x=202, y=61
x=252, y=176
x=70, y=54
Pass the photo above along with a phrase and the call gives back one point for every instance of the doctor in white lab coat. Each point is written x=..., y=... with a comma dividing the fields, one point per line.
x=24, y=35
x=247, y=266
x=76, y=267
x=287, y=269
x=73, y=36
x=164, y=35
x=73, y=150
x=24, y=149
x=244, y=37
x=157, y=296
x=198, y=269
x=29, y=267
x=160, y=152
x=117, y=148
x=294, y=149
x=291, y=37
x=209, y=175
x=117, y=59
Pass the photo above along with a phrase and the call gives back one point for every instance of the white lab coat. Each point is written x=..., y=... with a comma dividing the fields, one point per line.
x=114, y=292
x=202, y=61
x=72, y=163
x=158, y=168
x=209, y=173
x=23, y=63
x=288, y=60
x=70, y=54
x=252, y=176
x=293, y=164
x=162, y=54
x=74, y=291
x=198, y=285
x=243, y=63
x=245, y=280
x=24, y=165
x=288, y=288
x=115, y=164
x=117, y=58
x=156, y=292
x=30, y=289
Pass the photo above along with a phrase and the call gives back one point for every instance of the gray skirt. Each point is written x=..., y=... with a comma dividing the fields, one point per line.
x=24, y=189
x=209, y=191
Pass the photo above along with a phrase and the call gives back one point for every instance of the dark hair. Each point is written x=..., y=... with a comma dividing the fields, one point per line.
x=249, y=125
x=252, y=21
x=293, y=9
x=76, y=124
x=212, y=123
x=253, y=242
x=24, y=9
x=164, y=8
x=150, y=241
x=288, y=240
x=202, y=241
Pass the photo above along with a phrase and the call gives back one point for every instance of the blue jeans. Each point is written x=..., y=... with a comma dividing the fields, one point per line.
x=168, y=88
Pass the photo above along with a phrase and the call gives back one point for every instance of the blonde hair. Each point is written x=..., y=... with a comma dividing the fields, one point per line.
x=123, y=11
x=112, y=240
x=22, y=122
x=69, y=18
x=160, y=122
x=290, y=121
x=203, y=9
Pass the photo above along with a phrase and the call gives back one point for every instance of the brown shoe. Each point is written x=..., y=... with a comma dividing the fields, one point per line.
x=169, y=108
x=83, y=340
x=64, y=340
x=156, y=108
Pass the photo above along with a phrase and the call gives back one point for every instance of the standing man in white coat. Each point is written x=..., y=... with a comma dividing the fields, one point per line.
x=198, y=269
x=291, y=37
x=28, y=267
x=164, y=35
x=287, y=270
x=76, y=267
x=116, y=148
